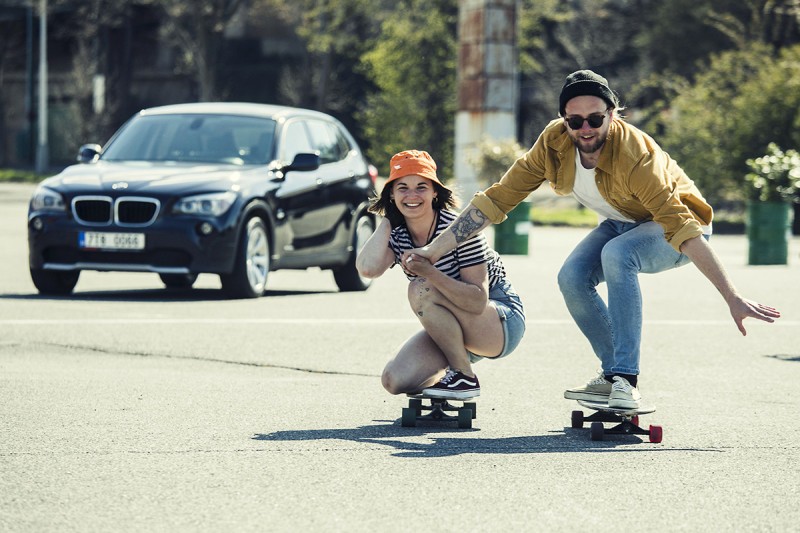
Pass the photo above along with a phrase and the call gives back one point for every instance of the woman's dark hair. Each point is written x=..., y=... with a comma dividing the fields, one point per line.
x=384, y=206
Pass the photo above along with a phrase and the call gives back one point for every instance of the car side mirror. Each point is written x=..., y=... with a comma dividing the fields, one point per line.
x=89, y=153
x=303, y=162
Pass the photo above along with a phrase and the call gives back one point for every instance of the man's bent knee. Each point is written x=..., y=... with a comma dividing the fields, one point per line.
x=569, y=279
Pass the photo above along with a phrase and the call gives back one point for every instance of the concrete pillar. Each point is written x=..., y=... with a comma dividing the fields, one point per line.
x=487, y=82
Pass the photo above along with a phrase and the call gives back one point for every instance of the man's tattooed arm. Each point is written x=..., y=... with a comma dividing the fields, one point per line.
x=468, y=223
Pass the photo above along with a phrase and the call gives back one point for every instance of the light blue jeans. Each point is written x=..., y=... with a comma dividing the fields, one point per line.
x=615, y=252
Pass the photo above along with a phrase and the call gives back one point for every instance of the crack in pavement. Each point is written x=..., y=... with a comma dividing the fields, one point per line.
x=98, y=349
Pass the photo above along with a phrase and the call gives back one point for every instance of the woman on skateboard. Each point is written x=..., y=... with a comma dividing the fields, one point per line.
x=467, y=307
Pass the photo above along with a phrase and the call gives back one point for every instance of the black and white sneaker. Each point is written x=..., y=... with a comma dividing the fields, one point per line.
x=454, y=385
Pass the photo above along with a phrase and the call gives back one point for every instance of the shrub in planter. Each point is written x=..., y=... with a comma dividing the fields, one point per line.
x=775, y=180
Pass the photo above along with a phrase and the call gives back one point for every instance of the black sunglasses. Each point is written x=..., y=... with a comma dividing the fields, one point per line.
x=595, y=121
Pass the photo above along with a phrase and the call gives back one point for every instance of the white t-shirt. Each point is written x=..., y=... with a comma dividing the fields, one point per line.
x=585, y=191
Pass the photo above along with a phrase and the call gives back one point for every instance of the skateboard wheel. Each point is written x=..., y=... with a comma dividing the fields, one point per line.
x=416, y=404
x=577, y=419
x=635, y=420
x=656, y=433
x=465, y=418
x=473, y=407
x=597, y=431
x=409, y=419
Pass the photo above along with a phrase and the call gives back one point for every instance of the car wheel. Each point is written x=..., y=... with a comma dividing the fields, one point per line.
x=56, y=282
x=178, y=281
x=347, y=277
x=249, y=276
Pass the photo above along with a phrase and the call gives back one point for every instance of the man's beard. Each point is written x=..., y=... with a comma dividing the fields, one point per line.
x=598, y=143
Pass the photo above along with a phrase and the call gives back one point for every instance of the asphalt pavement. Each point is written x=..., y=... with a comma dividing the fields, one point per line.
x=127, y=407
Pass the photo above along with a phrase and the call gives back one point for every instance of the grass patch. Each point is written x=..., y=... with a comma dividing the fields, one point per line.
x=725, y=222
x=13, y=175
x=572, y=217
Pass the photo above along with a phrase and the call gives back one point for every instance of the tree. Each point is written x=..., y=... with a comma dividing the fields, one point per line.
x=196, y=30
x=557, y=38
x=743, y=101
x=12, y=48
x=681, y=35
x=413, y=65
x=88, y=26
x=335, y=34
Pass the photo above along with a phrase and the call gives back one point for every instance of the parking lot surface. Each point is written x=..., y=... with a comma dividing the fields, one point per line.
x=128, y=407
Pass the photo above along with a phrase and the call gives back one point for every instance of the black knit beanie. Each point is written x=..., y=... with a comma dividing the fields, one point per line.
x=586, y=82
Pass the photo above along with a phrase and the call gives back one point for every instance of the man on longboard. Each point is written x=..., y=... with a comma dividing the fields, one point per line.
x=651, y=215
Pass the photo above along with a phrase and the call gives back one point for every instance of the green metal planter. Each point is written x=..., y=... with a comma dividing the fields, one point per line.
x=511, y=236
x=769, y=226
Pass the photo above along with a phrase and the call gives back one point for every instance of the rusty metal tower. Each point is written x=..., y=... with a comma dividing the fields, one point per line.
x=487, y=81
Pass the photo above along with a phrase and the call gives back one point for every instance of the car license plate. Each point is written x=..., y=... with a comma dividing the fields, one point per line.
x=111, y=241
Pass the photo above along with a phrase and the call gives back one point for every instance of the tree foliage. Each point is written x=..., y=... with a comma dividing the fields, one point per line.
x=413, y=65
x=329, y=77
x=744, y=100
x=714, y=81
x=196, y=30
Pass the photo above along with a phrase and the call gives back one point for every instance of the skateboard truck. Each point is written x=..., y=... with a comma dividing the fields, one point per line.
x=626, y=420
x=439, y=409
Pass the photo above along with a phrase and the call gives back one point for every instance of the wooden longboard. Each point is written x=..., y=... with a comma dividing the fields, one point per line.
x=621, y=411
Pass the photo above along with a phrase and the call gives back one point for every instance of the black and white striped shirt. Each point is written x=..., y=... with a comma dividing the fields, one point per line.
x=473, y=251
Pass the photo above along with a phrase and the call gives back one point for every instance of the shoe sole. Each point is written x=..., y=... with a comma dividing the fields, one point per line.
x=444, y=395
x=592, y=397
x=623, y=404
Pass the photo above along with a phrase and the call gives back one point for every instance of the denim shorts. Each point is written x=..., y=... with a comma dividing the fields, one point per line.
x=508, y=306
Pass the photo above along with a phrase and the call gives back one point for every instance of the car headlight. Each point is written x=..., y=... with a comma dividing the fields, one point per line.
x=214, y=204
x=45, y=199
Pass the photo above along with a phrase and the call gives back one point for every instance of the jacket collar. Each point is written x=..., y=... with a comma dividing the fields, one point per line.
x=607, y=152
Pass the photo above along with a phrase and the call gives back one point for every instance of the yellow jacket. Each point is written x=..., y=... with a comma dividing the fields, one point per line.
x=634, y=175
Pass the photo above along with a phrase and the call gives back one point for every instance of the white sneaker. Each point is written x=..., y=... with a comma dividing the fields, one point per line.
x=624, y=395
x=596, y=390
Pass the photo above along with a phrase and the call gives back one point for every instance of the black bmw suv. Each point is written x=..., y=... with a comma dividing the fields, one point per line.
x=234, y=189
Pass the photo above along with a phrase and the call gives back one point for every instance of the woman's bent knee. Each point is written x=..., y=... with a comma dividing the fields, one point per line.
x=390, y=383
x=421, y=294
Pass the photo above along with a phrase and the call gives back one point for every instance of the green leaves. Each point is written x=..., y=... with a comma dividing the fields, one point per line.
x=744, y=100
x=413, y=65
x=775, y=176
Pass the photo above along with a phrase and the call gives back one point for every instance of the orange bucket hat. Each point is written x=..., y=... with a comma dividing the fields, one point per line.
x=413, y=162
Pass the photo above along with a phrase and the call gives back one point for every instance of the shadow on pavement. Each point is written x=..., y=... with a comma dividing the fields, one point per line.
x=155, y=295
x=388, y=434
x=785, y=357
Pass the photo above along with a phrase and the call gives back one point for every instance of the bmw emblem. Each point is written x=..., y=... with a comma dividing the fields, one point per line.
x=119, y=186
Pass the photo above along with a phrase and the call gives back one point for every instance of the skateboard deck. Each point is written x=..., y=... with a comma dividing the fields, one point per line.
x=438, y=411
x=626, y=420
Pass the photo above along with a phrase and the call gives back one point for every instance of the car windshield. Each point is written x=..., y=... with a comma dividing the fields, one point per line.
x=234, y=140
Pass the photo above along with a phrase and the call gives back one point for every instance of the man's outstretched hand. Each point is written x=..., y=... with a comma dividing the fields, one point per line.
x=742, y=308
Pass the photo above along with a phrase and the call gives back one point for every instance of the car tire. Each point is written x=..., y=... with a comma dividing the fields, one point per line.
x=347, y=277
x=250, y=271
x=178, y=281
x=55, y=282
